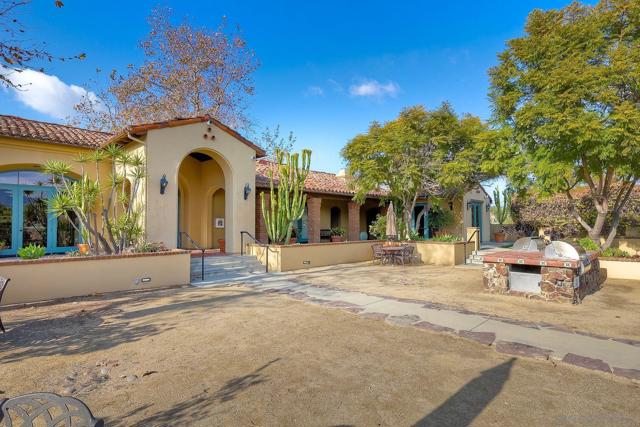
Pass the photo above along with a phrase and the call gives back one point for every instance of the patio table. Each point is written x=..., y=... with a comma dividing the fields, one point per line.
x=393, y=253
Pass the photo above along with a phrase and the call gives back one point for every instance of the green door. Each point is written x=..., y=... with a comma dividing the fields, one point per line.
x=476, y=217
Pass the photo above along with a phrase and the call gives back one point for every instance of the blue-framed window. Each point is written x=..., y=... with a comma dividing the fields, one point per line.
x=25, y=217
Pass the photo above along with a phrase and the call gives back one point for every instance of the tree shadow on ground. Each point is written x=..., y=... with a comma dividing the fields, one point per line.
x=467, y=403
x=198, y=407
x=111, y=324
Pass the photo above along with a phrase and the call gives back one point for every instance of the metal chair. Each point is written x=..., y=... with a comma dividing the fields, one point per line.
x=407, y=254
x=378, y=253
x=47, y=409
x=3, y=285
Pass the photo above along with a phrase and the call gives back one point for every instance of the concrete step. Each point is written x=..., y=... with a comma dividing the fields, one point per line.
x=229, y=278
x=225, y=269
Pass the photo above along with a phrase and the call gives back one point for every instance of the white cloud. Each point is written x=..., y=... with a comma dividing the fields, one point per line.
x=45, y=93
x=314, y=91
x=374, y=88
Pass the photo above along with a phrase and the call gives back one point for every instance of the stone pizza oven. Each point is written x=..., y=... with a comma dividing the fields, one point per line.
x=558, y=271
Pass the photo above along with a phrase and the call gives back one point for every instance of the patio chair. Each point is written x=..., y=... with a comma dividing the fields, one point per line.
x=48, y=409
x=378, y=253
x=3, y=285
x=407, y=254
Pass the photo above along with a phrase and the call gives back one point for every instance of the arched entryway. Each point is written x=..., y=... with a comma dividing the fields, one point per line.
x=201, y=200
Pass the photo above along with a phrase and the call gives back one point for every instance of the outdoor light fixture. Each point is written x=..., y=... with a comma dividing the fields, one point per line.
x=247, y=191
x=487, y=207
x=468, y=205
x=163, y=184
x=450, y=205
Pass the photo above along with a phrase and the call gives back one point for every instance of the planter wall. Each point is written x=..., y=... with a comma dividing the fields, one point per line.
x=63, y=277
x=628, y=270
x=297, y=257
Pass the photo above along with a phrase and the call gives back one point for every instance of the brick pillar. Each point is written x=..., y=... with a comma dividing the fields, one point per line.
x=353, y=231
x=261, y=228
x=313, y=218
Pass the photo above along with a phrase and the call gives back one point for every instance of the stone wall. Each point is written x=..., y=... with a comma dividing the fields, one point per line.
x=556, y=284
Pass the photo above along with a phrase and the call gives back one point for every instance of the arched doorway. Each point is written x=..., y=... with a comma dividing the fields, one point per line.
x=24, y=215
x=201, y=201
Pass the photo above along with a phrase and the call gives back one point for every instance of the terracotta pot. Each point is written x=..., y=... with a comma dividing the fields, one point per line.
x=293, y=240
x=335, y=239
x=221, y=245
x=83, y=248
x=499, y=237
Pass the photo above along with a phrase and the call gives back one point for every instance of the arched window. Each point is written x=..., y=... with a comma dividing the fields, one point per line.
x=335, y=217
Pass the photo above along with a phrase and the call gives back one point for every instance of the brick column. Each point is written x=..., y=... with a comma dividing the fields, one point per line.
x=313, y=218
x=261, y=228
x=353, y=231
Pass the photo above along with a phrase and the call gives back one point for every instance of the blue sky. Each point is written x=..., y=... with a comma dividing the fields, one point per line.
x=328, y=68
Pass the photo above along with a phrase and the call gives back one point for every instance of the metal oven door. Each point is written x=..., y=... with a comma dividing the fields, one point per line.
x=525, y=278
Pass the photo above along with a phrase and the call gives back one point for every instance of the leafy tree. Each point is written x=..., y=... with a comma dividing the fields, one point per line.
x=16, y=50
x=420, y=152
x=271, y=141
x=567, y=97
x=186, y=72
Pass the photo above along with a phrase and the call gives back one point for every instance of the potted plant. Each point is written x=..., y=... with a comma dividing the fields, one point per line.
x=83, y=248
x=502, y=209
x=337, y=234
x=3, y=245
x=31, y=252
x=294, y=237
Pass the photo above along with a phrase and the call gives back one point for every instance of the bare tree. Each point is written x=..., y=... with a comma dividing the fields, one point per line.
x=16, y=51
x=186, y=72
x=271, y=141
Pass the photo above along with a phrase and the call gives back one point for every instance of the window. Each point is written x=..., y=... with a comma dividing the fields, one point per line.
x=335, y=217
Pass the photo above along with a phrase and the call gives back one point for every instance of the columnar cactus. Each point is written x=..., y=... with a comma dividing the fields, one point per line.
x=503, y=209
x=288, y=200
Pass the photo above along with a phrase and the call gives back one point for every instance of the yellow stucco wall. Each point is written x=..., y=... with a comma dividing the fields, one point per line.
x=166, y=148
x=325, y=213
x=42, y=280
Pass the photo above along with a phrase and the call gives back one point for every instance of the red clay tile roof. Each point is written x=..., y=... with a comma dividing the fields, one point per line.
x=17, y=127
x=142, y=129
x=316, y=182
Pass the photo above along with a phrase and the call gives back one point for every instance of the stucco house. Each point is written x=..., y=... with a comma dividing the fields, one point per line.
x=213, y=179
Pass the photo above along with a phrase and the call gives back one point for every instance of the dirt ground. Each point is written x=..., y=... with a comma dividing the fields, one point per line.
x=234, y=357
x=613, y=311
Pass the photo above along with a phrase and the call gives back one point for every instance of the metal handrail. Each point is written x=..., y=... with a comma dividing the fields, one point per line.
x=259, y=243
x=467, y=241
x=197, y=246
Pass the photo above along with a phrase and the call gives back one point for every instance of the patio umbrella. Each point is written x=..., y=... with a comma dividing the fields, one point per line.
x=391, y=222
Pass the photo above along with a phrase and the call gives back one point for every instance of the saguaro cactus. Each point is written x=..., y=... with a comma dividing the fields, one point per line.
x=288, y=199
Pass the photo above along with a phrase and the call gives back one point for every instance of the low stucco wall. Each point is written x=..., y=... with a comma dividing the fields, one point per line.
x=63, y=277
x=441, y=253
x=297, y=257
x=629, y=270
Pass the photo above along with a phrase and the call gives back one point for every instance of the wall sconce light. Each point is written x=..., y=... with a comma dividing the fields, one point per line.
x=163, y=184
x=450, y=205
x=468, y=205
x=247, y=191
x=487, y=207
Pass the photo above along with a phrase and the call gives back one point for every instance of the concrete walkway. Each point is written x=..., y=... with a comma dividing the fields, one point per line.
x=545, y=341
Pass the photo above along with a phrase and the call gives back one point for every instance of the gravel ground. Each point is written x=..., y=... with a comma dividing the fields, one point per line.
x=233, y=357
x=612, y=311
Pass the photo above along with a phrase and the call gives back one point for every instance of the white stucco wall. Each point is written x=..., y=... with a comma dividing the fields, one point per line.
x=165, y=150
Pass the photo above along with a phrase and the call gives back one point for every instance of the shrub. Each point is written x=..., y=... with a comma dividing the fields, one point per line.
x=451, y=238
x=615, y=253
x=148, y=247
x=31, y=252
x=588, y=245
x=378, y=227
x=337, y=231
